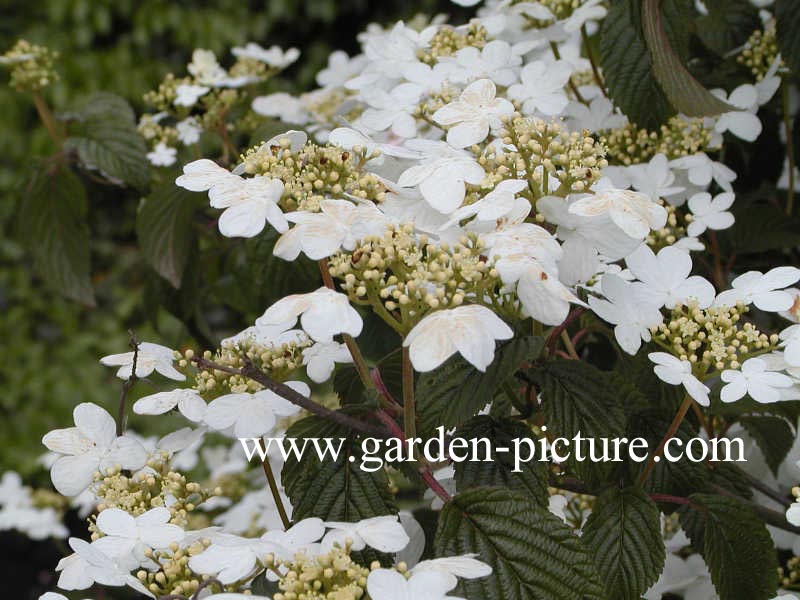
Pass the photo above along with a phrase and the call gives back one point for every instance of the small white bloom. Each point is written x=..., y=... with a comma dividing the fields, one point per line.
x=666, y=277
x=793, y=516
x=249, y=203
x=475, y=112
x=633, y=212
x=791, y=345
x=127, y=535
x=89, y=565
x=392, y=110
x=320, y=359
x=498, y=203
x=286, y=107
x=323, y=314
x=388, y=584
x=470, y=330
x=497, y=61
x=655, y=178
x=187, y=95
x=274, y=57
x=348, y=138
x=763, y=385
x=189, y=131
x=600, y=114
x=149, y=357
x=90, y=446
x=764, y=290
x=710, y=214
x=189, y=402
x=741, y=123
x=629, y=309
x=466, y=566
x=230, y=557
x=542, y=87
x=300, y=537
x=162, y=155
x=252, y=415
x=701, y=170
x=673, y=371
x=385, y=534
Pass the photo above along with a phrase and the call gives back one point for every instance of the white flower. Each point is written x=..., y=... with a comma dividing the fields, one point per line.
x=127, y=535
x=763, y=386
x=338, y=224
x=710, y=214
x=274, y=57
x=286, y=107
x=741, y=123
x=497, y=61
x=204, y=67
x=791, y=345
x=470, y=330
x=542, y=87
x=162, y=155
x=442, y=174
x=90, y=446
x=498, y=203
x=89, y=565
x=12, y=492
x=392, y=110
x=385, y=534
x=320, y=359
x=688, y=577
x=340, y=68
x=188, y=95
x=252, y=415
x=763, y=290
x=35, y=523
x=189, y=131
x=149, y=357
x=654, y=178
x=231, y=558
x=793, y=516
x=323, y=314
x=249, y=203
x=300, y=537
x=350, y=138
x=600, y=114
x=701, y=170
x=466, y=566
x=388, y=584
x=269, y=336
x=474, y=113
x=633, y=212
x=629, y=309
x=189, y=402
x=679, y=372
x=666, y=277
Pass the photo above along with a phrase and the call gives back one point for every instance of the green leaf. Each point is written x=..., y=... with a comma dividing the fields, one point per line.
x=684, y=92
x=105, y=138
x=761, y=228
x=580, y=398
x=348, y=385
x=623, y=536
x=727, y=25
x=627, y=69
x=164, y=225
x=454, y=392
x=52, y=223
x=787, y=17
x=737, y=548
x=531, y=552
x=773, y=435
x=501, y=433
x=333, y=490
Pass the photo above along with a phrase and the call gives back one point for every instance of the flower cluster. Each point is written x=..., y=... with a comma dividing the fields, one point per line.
x=32, y=66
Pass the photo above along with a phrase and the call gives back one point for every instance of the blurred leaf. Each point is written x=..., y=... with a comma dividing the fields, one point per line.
x=727, y=25
x=164, y=225
x=761, y=228
x=787, y=17
x=774, y=437
x=52, y=223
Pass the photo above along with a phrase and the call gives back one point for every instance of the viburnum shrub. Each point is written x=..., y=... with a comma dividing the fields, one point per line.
x=557, y=221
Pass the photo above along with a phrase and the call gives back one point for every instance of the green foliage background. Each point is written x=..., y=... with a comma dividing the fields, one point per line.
x=49, y=346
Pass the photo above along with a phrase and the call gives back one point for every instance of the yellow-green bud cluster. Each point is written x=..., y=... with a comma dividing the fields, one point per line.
x=32, y=67
x=712, y=337
x=403, y=275
x=45, y=498
x=760, y=50
x=163, y=96
x=448, y=40
x=674, y=230
x=679, y=137
x=325, y=106
x=314, y=172
x=148, y=489
x=545, y=150
x=561, y=9
x=331, y=576
x=174, y=575
x=210, y=110
x=154, y=133
x=278, y=361
x=434, y=101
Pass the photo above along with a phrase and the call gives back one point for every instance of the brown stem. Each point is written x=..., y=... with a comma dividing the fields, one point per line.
x=568, y=345
x=273, y=488
x=556, y=332
x=284, y=391
x=676, y=422
x=670, y=499
x=47, y=118
x=409, y=410
x=593, y=60
x=769, y=516
x=127, y=385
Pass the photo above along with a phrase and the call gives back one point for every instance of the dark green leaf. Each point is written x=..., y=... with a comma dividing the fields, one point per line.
x=164, y=225
x=727, y=25
x=623, y=536
x=737, y=548
x=761, y=228
x=52, y=223
x=773, y=435
x=684, y=92
x=787, y=17
x=499, y=471
x=454, y=392
x=531, y=552
x=333, y=490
